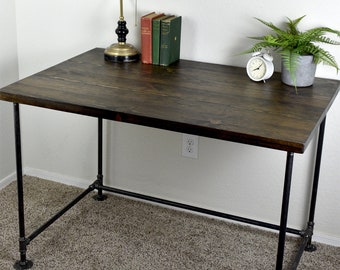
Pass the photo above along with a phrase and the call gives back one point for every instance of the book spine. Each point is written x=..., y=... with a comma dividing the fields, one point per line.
x=156, y=41
x=146, y=40
x=170, y=41
x=164, y=53
x=146, y=36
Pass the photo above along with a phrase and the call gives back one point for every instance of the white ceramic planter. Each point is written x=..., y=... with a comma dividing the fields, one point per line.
x=305, y=72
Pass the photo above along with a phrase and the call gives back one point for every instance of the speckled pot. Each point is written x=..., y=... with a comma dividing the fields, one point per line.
x=305, y=72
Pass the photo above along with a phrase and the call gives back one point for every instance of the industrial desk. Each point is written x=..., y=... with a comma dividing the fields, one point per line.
x=208, y=100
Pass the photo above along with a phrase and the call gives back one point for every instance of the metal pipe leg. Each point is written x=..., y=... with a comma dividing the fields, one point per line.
x=284, y=210
x=99, y=196
x=310, y=224
x=23, y=263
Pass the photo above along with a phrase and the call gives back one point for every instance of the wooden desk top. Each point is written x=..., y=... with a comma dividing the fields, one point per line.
x=209, y=100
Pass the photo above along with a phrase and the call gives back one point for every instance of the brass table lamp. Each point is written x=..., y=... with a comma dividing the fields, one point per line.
x=121, y=51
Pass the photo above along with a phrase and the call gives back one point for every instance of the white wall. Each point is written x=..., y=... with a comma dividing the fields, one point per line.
x=59, y=31
x=8, y=74
x=227, y=177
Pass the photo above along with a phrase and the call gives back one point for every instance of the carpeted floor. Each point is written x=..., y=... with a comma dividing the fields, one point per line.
x=125, y=234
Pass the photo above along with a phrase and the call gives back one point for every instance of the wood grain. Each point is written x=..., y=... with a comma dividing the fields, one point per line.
x=209, y=100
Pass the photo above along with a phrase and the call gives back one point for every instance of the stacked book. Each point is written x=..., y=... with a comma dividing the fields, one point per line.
x=160, y=38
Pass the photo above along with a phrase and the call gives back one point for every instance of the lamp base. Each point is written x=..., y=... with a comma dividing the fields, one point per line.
x=121, y=52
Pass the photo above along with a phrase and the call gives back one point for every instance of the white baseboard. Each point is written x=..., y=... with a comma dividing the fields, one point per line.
x=60, y=178
x=7, y=180
x=326, y=239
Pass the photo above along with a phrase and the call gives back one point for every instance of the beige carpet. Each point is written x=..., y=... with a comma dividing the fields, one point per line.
x=126, y=234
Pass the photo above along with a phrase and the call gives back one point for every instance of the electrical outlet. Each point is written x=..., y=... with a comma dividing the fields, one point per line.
x=190, y=146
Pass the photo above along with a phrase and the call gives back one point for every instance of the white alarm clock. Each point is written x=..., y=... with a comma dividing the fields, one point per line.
x=260, y=67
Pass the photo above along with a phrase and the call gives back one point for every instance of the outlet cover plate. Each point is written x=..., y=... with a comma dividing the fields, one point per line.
x=190, y=146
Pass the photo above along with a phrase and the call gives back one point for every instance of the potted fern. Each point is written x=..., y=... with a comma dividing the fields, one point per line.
x=298, y=50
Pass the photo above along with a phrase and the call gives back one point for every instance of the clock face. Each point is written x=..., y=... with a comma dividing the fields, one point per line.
x=256, y=68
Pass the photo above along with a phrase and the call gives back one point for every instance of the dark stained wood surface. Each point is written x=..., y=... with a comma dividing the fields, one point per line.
x=192, y=97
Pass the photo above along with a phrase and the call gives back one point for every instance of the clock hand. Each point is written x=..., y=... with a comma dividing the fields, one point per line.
x=258, y=67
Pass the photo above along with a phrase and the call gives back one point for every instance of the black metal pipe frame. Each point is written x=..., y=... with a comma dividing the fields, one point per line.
x=306, y=244
x=196, y=209
x=309, y=246
x=284, y=210
x=23, y=263
x=100, y=196
x=98, y=185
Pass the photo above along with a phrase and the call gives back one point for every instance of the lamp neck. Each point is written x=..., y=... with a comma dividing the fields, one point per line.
x=121, y=17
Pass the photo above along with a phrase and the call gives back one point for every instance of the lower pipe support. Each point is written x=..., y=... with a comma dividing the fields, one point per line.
x=308, y=234
x=99, y=197
x=19, y=265
x=97, y=185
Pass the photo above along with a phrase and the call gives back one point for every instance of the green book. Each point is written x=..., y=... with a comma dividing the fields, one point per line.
x=156, y=38
x=170, y=40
